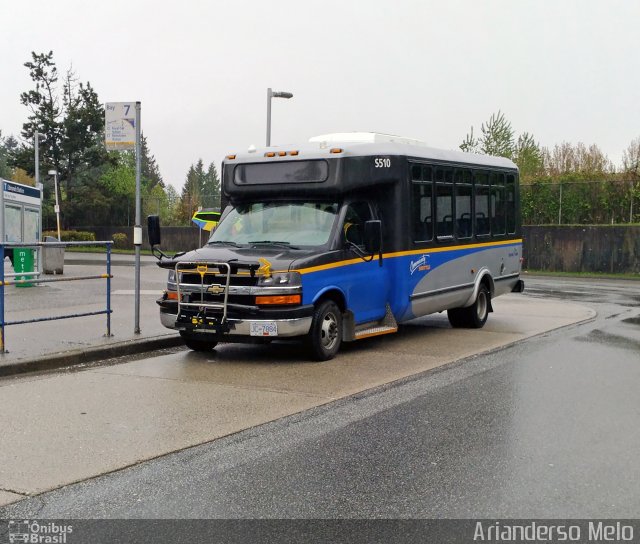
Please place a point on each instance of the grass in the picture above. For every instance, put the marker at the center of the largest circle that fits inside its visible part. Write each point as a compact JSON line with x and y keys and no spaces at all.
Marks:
{"x":600,"y":275}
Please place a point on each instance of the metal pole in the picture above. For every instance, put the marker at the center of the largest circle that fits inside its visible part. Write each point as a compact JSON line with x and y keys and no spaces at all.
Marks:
{"x":57,"y":207}
{"x":2,"y":240}
{"x":137,"y":229}
{"x":269,"y":94}
{"x":36,"y":145}
{"x":108,"y":288}
{"x":560,"y":207}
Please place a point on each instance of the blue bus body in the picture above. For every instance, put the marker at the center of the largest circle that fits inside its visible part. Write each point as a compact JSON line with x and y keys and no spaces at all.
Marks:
{"x":339,"y":242}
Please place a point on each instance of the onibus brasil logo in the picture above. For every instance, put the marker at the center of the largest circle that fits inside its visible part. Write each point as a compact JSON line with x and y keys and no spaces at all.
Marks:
{"x":37,"y":532}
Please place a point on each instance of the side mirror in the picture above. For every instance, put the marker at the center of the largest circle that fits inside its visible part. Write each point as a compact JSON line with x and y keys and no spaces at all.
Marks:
{"x":153,"y":226}
{"x":373,"y":236}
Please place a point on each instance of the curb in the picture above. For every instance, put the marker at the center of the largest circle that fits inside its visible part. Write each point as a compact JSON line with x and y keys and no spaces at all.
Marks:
{"x":89,"y":355}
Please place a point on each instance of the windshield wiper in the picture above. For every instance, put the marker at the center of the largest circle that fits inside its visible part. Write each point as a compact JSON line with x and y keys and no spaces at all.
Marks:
{"x":225,"y":242}
{"x":273,"y":243}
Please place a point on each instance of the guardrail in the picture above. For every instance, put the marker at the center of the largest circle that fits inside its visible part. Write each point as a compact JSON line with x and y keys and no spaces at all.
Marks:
{"x":31,"y":280}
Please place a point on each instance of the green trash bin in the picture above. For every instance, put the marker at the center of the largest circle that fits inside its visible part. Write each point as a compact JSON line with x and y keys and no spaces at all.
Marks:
{"x":23,"y":262}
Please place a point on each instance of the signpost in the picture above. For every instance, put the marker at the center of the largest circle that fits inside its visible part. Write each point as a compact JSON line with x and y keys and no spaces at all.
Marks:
{"x":122,"y":132}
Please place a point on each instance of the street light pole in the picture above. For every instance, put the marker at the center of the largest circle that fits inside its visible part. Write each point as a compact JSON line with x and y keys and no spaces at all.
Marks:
{"x":36,"y":145}
{"x":273,"y":94}
{"x":56,"y":208}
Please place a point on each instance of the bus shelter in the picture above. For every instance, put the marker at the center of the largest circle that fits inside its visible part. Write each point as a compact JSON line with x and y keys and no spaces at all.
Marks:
{"x":21,"y":217}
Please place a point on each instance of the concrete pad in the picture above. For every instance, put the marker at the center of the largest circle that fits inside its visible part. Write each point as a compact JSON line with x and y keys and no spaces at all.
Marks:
{"x":7,"y":498}
{"x":59,"y":429}
{"x":233,"y":366}
{"x":68,"y":428}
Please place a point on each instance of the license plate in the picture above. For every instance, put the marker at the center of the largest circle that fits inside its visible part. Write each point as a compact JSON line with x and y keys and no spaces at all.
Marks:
{"x":264,"y":328}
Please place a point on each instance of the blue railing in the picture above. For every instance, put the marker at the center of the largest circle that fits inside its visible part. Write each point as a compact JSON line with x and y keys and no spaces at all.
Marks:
{"x":31,"y":280}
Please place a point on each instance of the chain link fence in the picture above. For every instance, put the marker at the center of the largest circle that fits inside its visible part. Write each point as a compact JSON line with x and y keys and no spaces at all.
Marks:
{"x":580,"y":203}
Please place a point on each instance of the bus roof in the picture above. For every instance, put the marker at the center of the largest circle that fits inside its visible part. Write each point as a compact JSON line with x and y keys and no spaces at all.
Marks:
{"x":363,"y":144}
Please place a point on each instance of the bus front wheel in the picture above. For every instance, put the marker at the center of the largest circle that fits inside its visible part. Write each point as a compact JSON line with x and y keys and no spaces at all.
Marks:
{"x":325,"y":335}
{"x":474,"y":316}
{"x":197,"y":344}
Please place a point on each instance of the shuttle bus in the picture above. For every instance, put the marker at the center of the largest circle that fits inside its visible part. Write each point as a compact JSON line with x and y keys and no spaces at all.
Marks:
{"x":343,"y":238}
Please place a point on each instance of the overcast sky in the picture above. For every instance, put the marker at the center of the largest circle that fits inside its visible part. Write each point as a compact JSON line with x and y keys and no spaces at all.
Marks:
{"x":564,"y":70}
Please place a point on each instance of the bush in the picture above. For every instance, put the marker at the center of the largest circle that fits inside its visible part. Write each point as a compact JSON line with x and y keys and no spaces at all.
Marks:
{"x":71,"y":235}
{"x":120,"y":241}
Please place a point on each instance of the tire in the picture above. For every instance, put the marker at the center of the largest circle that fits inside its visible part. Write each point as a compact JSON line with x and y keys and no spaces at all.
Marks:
{"x":474,"y":316}
{"x":325,"y":335}
{"x":457,"y":318}
{"x":197,"y":344}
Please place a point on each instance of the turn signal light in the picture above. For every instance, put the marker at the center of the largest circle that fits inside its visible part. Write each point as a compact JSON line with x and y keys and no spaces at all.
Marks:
{"x":279,"y":299}
{"x":172,"y":295}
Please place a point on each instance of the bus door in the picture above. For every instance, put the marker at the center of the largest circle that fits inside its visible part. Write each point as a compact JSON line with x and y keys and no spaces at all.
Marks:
{"x":366,"y":284}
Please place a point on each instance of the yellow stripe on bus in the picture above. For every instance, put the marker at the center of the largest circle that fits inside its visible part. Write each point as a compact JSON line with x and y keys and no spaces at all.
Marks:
{"x":338,"y":264}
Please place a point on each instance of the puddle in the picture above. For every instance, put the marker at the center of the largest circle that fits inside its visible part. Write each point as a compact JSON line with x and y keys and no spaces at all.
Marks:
{"x":613,"y":340}
{"x":633,"y":320}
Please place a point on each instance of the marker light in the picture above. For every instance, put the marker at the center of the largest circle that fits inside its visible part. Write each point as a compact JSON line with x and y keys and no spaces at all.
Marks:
{"x":278,"y":299}
{"x":294,"y":153}
{"x":231,"y":157}
{"x":270,"y":154}
{"x":335,"y":150}
{"x":282,"y":153}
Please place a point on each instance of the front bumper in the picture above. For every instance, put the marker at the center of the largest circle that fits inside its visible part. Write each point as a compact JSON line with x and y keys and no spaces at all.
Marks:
{"x":291,"y":322}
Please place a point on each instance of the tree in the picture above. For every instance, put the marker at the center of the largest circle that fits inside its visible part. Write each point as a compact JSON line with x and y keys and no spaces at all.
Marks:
{"x":631,"y":160}
{"x":45,"y":114}
{"x":497,"y":138}
{"x":6,"y":147}
{"x":210,"y":189}
{"x":150,"y":172}
{"x":528,"y":157}
{"x":191,"y":196}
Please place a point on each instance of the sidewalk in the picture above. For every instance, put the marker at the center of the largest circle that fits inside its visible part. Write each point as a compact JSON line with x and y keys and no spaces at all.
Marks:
{"x":53,"y":344}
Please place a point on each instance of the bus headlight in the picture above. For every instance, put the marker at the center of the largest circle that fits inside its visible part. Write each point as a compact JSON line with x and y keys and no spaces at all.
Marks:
{"x":281,"y":279}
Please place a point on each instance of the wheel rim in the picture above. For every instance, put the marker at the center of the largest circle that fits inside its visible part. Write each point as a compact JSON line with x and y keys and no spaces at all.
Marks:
{"x":329,"y":331}
{"x":481,"y":306}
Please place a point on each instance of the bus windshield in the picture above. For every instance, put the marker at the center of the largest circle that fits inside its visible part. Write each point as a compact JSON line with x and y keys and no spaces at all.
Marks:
{"x":291,"y":223}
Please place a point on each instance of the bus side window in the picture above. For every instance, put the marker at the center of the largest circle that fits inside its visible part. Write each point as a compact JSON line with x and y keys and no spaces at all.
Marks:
{"x":498,"y":217}
{"x":421,"y":203}
{"x":464,"y":190}
{"x":511,"y":203}
{"x":481,"y":203}
{"x":444,"y":202}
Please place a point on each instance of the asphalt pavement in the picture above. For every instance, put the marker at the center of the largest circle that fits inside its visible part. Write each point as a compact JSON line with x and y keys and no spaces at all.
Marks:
{"x":53,"y":344}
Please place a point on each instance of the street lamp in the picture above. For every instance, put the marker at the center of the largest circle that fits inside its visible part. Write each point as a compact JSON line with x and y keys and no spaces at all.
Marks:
{"x":37,"y":138}
{"x":56,"y":208}
{"x":275,"y":94}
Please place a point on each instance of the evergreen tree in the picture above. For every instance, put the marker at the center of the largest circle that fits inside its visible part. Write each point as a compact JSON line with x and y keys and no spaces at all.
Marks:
{"x":190,"y":199}
{"x":150,"y":172}
{"x":45,"y":115}
{"x":210,"y":189}
{"x":6,"y":147}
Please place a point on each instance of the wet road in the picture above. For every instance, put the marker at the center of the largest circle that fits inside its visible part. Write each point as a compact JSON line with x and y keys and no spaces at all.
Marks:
{"x":549,"y":427}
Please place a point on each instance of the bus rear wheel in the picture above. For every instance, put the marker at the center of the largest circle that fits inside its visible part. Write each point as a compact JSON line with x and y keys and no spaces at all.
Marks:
{"x":325,"y":335}
{"x":197,"y":344}
{"x":474,"y":316}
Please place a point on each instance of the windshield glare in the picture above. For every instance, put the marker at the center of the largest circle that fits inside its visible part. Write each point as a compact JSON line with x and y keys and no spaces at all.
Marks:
{"x":295,"y":223}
